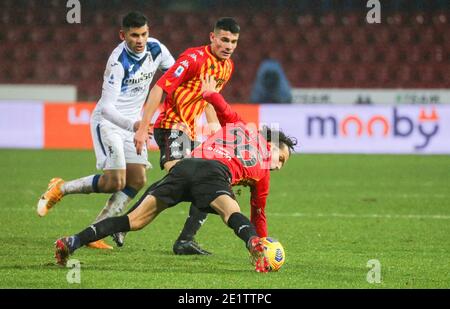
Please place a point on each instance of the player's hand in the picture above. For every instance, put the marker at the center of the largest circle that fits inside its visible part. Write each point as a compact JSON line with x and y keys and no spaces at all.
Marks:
{"x":136,"y":125}
{"x":140,"y":137}
{"x":209,"y":83}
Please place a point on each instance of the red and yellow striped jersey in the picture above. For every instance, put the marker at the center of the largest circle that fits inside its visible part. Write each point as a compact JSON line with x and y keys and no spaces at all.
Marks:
{"x":184,"y":103}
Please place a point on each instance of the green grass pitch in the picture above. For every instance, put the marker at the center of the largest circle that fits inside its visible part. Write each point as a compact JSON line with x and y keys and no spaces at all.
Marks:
{"x":332,"y":213}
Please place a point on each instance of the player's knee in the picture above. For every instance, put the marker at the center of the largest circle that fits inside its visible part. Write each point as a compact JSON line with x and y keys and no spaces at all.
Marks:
{"x":138,"y":183}
{"x":115,"y":184}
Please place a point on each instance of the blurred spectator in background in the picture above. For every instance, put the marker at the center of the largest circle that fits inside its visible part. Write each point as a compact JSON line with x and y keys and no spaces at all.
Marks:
{"x":271,"y":84}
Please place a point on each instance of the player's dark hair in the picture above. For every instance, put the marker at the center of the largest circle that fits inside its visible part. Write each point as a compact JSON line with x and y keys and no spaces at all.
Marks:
{"x":227,"y":24}
{"x":134,"y":20}
{"x":278,"y":137}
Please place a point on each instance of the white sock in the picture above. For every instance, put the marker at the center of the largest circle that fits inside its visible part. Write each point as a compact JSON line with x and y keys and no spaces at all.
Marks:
{"x":114,"y":206}
{"x":80,"y":185}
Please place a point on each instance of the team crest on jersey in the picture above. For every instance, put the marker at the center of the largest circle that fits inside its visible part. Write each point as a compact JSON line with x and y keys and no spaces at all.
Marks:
{"x":179,"y":71}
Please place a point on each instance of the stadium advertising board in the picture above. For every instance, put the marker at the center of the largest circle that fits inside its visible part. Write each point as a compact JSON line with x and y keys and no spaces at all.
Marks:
{"x":370,"y":96}
{"x":408,"y":129}
{"x":364,"y":129}
{"x":21,"y":124}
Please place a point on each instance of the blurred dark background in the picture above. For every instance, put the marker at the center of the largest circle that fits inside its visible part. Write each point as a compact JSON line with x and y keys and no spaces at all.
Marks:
{"x":320,"y":43}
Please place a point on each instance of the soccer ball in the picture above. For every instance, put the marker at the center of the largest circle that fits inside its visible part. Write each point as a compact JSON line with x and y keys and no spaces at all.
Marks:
{"x":274,"y":252}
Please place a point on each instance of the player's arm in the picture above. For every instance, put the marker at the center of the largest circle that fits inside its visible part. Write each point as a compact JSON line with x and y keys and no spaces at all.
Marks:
{"x":150,"y":107}
{"x":211,"y":117}
{"x":177,"y":74}
{"x":112,"y":82}
{"x":224,"y":112}
{"x":259,"y":193}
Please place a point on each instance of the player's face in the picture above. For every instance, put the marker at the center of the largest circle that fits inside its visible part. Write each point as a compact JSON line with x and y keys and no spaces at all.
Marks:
{"x":279,"y":157}
{"x":136,"y":38}
{"x":223,"y":43}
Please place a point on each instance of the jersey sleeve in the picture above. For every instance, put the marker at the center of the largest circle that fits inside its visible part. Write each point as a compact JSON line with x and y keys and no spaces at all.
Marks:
{"x":259,"y":193}
{"x":167,"y":59}
{"x":224,"y":112}
{"x":112,"y":84}
{"x":181,"y":71}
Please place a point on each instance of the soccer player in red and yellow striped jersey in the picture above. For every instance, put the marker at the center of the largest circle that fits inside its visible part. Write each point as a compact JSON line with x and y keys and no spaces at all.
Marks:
{"x":175,"y":128}
{"x":184,"y":103}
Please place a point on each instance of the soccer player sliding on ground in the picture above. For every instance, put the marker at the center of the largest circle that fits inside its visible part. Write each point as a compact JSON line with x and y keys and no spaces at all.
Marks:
{"x":235,"y":154}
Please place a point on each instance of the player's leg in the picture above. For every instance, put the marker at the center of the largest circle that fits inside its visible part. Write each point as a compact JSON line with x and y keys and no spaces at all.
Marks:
{"x":136,"y":165}
{"x":185,"y":243}
{"x":105,"y":140}
{"x":229,"y":211}
{"x":136,"y":178}
{"x":144,"y":214}
{"x":115,"y":174}
{"x":175,"y":145}
{"x":166,"y":192}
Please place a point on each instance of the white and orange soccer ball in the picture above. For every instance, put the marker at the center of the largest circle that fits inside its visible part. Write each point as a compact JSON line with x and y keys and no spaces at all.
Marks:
{"x":274,"y":252}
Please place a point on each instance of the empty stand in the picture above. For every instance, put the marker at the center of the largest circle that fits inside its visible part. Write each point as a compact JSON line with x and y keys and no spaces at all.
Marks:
{"x":316,"y":48}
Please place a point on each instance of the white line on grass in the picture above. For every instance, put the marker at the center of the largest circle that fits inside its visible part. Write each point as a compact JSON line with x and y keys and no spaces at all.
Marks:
{"x":298,"y":214}
{"x":372,"y":216}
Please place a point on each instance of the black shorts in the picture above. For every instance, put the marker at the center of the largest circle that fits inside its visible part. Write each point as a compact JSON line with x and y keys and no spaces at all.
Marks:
{"x":193,"y":180}
{"x":173,"y":145}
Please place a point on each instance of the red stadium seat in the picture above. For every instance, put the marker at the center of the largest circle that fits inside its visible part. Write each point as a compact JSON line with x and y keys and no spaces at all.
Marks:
{"x":328,"y":20}
{"x":305,"y":21}
{"x":351,"y":20}
{"x":367,"y":54}
{"x":427,"y":36}
{"x":299,"y":55}
{"x":313,"y":37}
{"x":359,"y":36}
{"x":405,"y":36}
{"x":382,"y":35}
{"x":426,"y":75}
{"x":415,"y":54}
{"x":397,"y":19}
{"x":345,"y":54}
{"x":438,"y":54}
{"x":336,"y":36}
{"x":39,"y":34}
{"x":403,"y":76}
{"x":382,"y":74}
{"x":322,"y":54}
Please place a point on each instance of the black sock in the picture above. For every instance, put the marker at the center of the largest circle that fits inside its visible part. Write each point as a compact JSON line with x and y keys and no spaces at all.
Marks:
{"x":193,"y":223}
{"x":103,"y":228}
{"x":242,"y":227}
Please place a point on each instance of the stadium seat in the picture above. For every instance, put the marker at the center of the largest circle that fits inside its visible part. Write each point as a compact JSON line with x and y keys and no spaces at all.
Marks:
{"x":366,"y":54}
{"x":382,"y":35}
{"x":299,"y":55}
{"x":313,"y":37}
{"x":336,"y":36}
{"x":358,"y":36}
{"x":345,"y":54}
{"x":322,"y":54}
{"x":351,"y":20}
{"x":427,"y":36}
{"x":305,"y":21}
{"x":405,"y":36}
{"x":396,"y":19}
